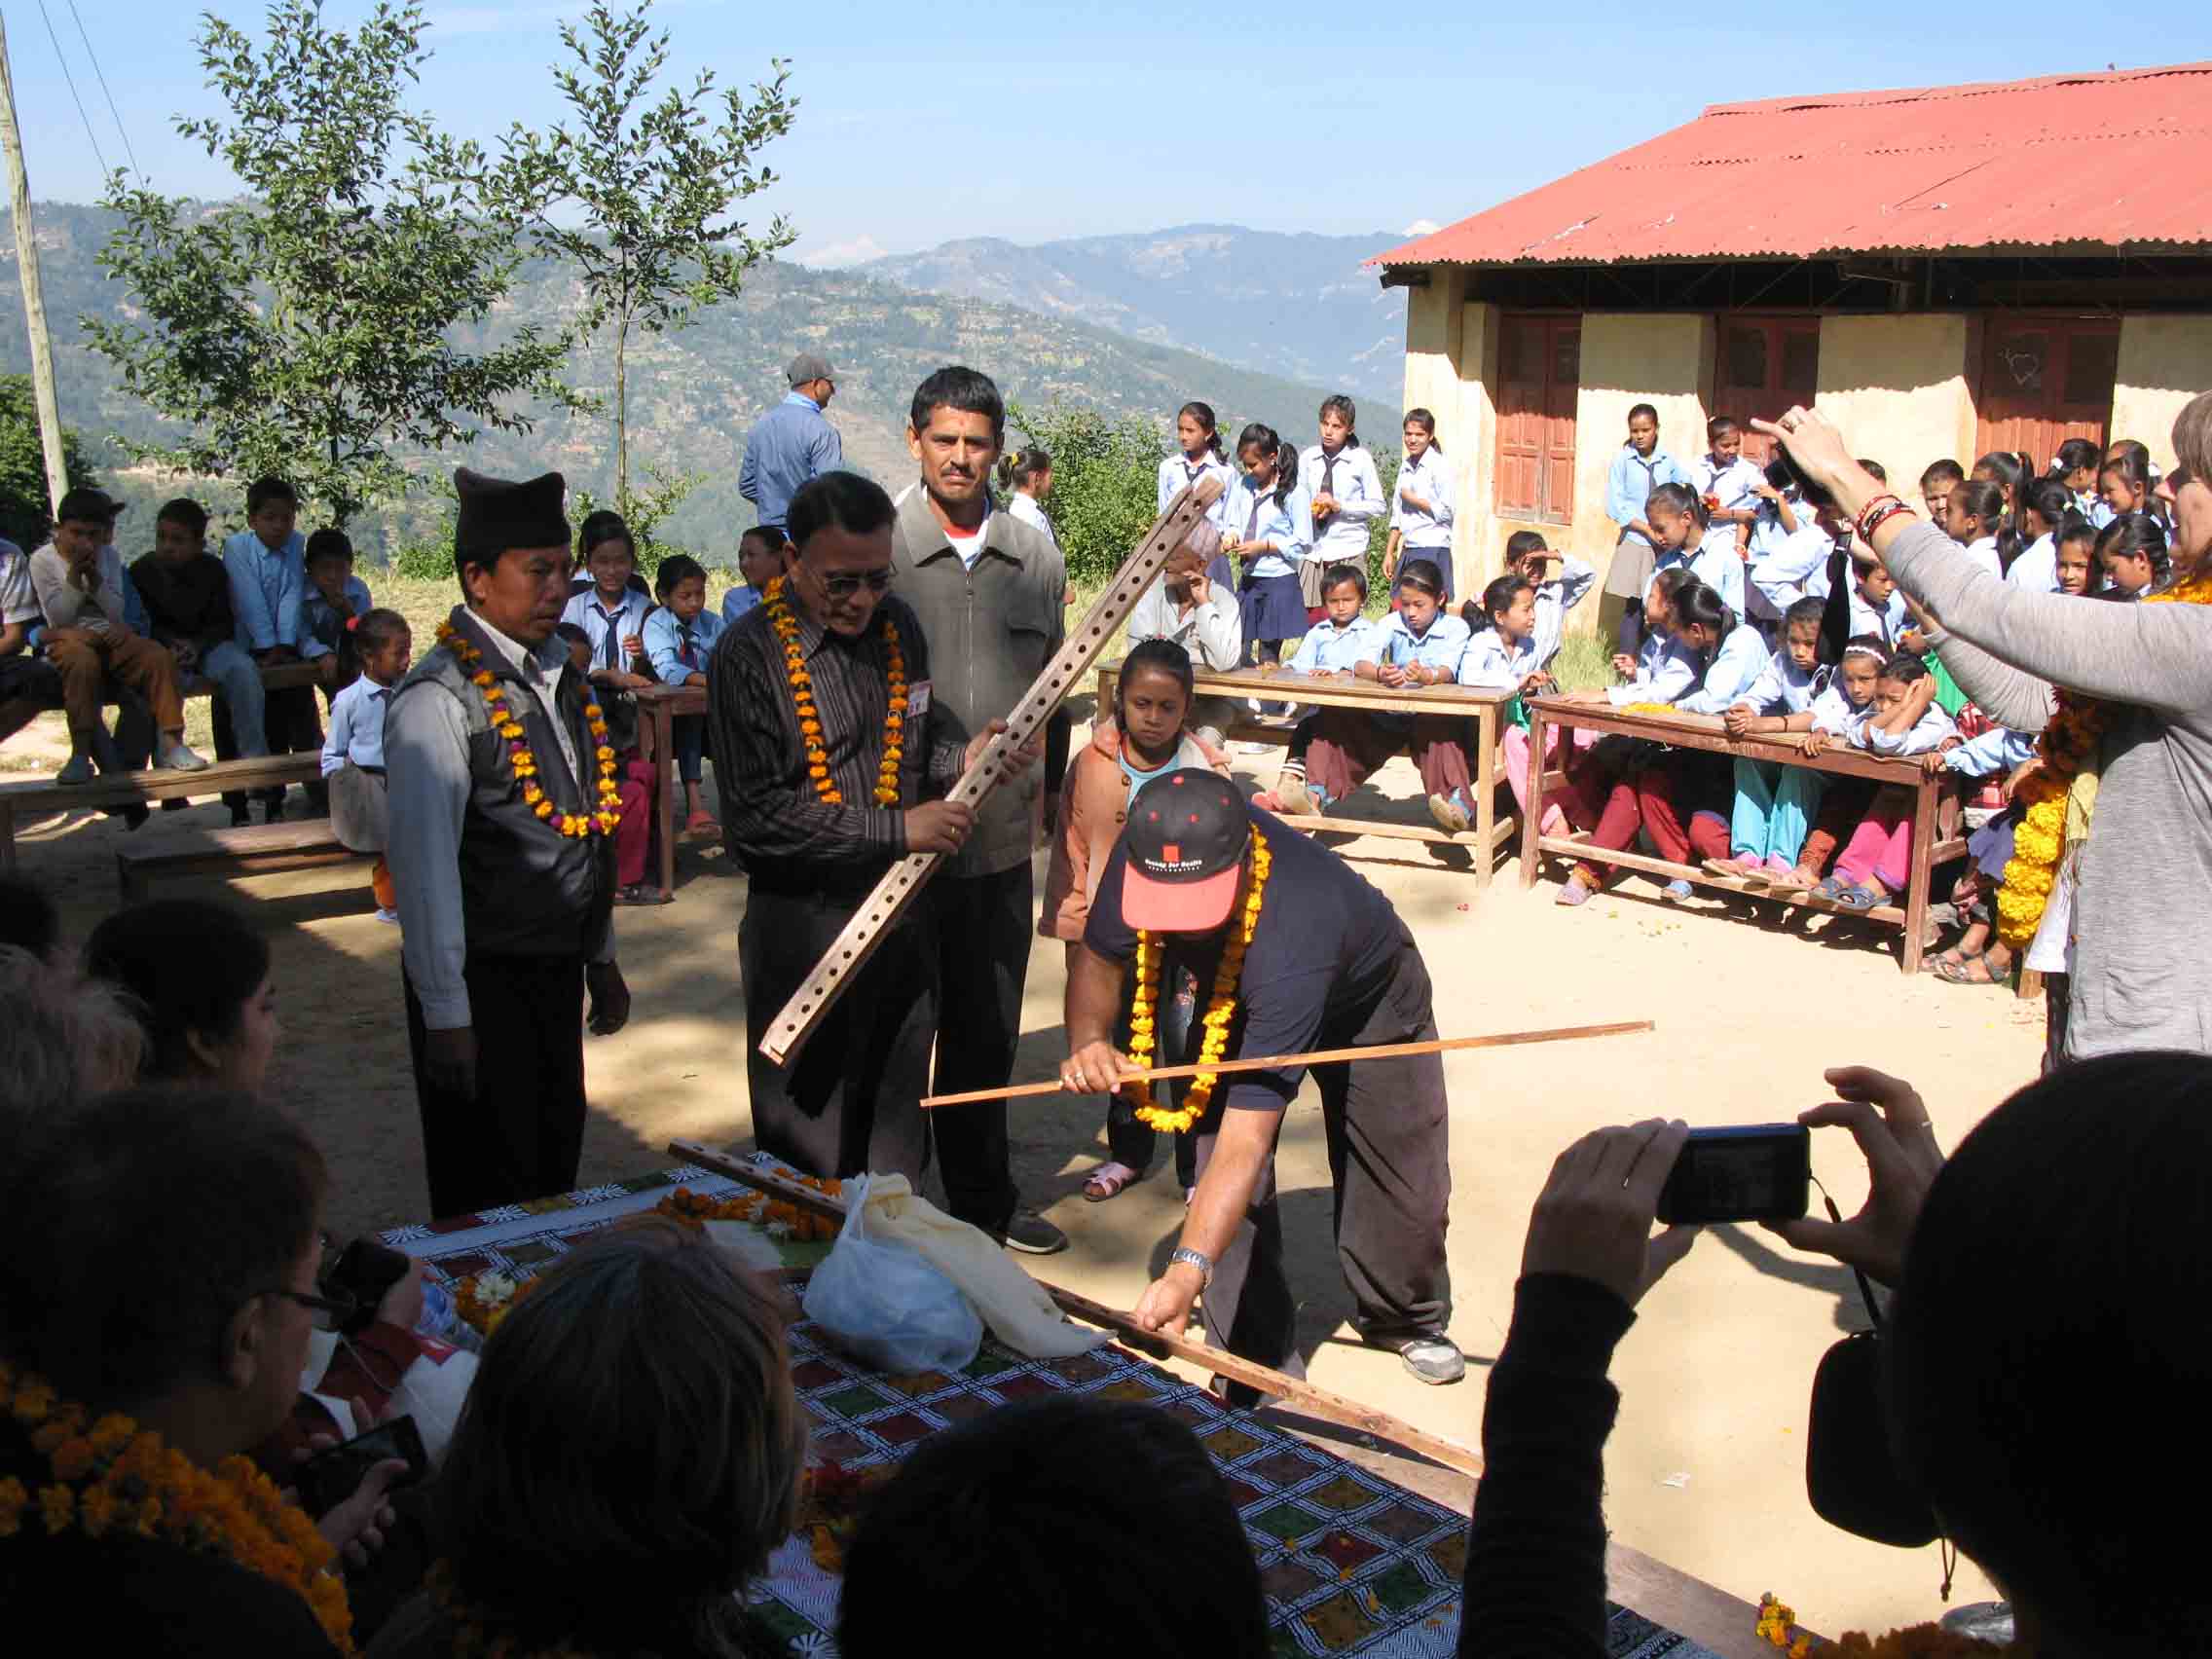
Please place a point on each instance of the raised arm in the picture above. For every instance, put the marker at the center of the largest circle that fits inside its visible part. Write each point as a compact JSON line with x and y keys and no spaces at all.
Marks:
{"x":2000,"y":690}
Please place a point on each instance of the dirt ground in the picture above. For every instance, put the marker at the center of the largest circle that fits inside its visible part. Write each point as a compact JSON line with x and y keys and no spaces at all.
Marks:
{"x":1706,"y":1467}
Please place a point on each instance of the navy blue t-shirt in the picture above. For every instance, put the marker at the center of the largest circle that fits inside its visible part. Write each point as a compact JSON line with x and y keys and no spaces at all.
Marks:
{"x":1322,"y":954}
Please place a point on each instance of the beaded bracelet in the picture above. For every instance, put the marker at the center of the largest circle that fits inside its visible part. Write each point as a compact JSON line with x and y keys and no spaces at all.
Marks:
{"x":1878,"y":513}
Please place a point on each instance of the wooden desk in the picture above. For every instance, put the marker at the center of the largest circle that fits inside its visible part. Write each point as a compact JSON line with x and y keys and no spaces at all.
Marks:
{"x":1931,"y":797}
{"x":659,"y":705}
{"x":1329,"y":690}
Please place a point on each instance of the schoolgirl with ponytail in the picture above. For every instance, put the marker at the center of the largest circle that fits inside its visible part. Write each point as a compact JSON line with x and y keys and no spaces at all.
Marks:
{"x":1268,"y":528}
{"x":1026,"y":477}
{"x":1345,"y":494}
{"x":2045,"y":505}
{"x":1199,"y":456}
{"x":1422,"y":512}
{"x":1973,"y":517}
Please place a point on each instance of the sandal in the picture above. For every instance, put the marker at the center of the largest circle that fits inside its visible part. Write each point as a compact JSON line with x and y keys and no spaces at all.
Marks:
{"x":1952,"y":959}
{"x":1861,"y":896}
{"x":1963,"y":974}
{"x":1108,"y":1180}
{"x":1830,"y":889}
{"x":642,"y":892}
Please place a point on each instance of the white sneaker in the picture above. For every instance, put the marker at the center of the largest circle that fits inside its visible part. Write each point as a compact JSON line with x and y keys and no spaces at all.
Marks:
{"x":1257,"y":747}
{"x":389,"y":917}
{"x":178,"y":759}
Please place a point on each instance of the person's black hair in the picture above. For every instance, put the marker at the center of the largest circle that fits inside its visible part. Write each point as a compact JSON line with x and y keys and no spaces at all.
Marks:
{"x":1905,"y":667}
{"x":135,"y":1227}
{"x":2075,"y":525}
{"x":599,"y":528}
{"x":1337,"y":574}
{"x":1523,"y":543}
{"x":837,"y":501}
{"x":191,"y":963}
{"x":1720,"y":425}
{"x":1677,"y":501}
{"x":373,"y":630}
{"x":1699,"y":604}
{"x":28,"y":918}
{"x":1982,"y":500}
{"x":186,"y":513}
{"x":2074,"y":455}
{"x":2008,"y":467}
{"x":963,"y":389}
{"x":2133,"y":450}
{"x":1781,"y":474}
{"x":327,"y":544}
{"x":1426,"y":422}
{"x":1811,"y":609}
{"x":1006,"y":1516}
{"x":1874,"y":470}
{"x":1671,"y":581}
{"x":1652,"y":410}
{"x":1336,"y":403}
{"x":1937,"y":471}
{"x":573,"y":632}
{"x":2050,"y":500}
{"x":771,"y":536}
{"x":1270,"y":448}
{"x":1163,"y":654}
{"x":1498,"y":597}
{"x":2043,"y":1347}
{"x":262,"y":490}
{"x":1202,"y":413}
{"x":2137,"y":532}
{"x":1020,"y":466}
{"x":677,"y":567}
{"x":1423,"y":576}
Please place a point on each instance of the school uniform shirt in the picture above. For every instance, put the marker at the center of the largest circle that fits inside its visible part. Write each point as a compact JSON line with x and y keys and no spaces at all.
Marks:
{"x":1349,"y":476}
{"x":1431,"y":479}
{"x":2037,"y":567}
{"x":1663,"y":673}
{"x":679,"y":649}
{"x":1554,"y":599}
{"x":1026,"y":509}
{"x":1719,"y":566}
{"x":1834,"y":711}
{"x":1885,"y":624}
{"x":738,"y":600}
{"x":1255,"y":515}
{"x":1491,"y":664}
{"x":1330,"y":650}
{"x":607,"y":629}
{"x":1794,"y":568}
{"x":1177,"y":473}
{"x":1768,"y":536}
{"x":1441,"y":647}
{"x":1630,"y":481}
{"x":321,"y":625}
{"x":266,"y":589}
{"x":1926,"y":733}
{"x":1996,"y":753}
{"x":1983,"y":554}
{"x":1212,"y":633}
{"x":1784,"y":688}
{"x":2101,"y":511}
{"x":18,"y":599}
{"x":356,"y":727}
{"x":1735,"y":669}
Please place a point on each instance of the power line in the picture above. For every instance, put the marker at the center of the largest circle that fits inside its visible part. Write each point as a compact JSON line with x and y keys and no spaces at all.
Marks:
{"x":72,"y":83}
{"x":121,"y":130}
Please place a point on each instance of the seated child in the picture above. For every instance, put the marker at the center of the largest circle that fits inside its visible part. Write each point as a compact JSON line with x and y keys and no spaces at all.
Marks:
{"x":1728,"y":487}
{"x":2131,"y":552}
{"x":1332,"y":646}
{"x":352,"y":754}
{"x":1660,"y":672}
{"x":635,"y":780}
{"x":2075,"y":555}
{"x":759,"y":560}
{"x":1416,"y":645}
{"x":612,"y":613}
{"x":1935,"y":487}
{"x":1976,"y":958}
{"x":1774,"y":802}
{"x":1147,"y":734}
{"x":1973,"y":516}
{"x":28,"y":682}
{"x":678,"y":637}
{"x":264,"y":562}
{"x":186,"y":595}
{"x":1780,"y":514}
{"x":1798,"y":565}
{"x":332,"y":598}
{"x":1876,"y":864}
{"x":1195,"y":604}
{"x":1528,"y":558}
{"x":1876,"y":606}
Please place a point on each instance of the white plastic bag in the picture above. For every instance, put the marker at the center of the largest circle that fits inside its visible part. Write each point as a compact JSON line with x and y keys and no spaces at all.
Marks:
{"x":884,"y":1304}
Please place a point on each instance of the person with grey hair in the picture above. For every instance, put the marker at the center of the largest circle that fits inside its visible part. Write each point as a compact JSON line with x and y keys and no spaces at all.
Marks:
{"x":67,"y":1039}
{"x":791,"y":443}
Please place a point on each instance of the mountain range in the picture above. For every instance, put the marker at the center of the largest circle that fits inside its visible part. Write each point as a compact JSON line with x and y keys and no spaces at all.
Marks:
{"x":695,"y":392}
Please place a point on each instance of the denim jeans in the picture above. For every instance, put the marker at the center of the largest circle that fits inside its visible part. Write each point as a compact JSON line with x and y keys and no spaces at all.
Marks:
{"x":238,"y":678}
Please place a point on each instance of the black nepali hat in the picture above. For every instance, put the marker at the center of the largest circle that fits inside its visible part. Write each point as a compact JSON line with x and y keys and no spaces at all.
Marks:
{"x":1186,"y":841}
{"x":497,"y":514}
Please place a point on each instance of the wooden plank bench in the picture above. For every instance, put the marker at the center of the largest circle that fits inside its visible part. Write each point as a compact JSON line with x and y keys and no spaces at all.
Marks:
{"x":1488,"y":834}
{"x":32,"y":796}
{"x":1933,"y":798}
{"x":259,"y":849}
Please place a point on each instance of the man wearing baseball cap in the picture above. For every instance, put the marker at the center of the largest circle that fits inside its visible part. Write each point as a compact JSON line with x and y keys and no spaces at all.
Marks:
{"x":1198,"y":879}
{"x":791,"y":443}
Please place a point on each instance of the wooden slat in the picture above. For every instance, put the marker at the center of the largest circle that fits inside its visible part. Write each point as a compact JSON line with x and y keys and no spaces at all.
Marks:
{"x":1314,"y":690}
{"x":849,"y":952}
{"x":127,"y":789}
{"x":1577,"y":847}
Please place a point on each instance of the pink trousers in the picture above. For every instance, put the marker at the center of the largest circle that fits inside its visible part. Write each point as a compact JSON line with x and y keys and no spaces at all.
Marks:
{"x":1881,"y":847}
{"x":1515,"y":750}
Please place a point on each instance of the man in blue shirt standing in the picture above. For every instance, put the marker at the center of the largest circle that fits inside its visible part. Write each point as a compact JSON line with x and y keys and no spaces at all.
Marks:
{"x":791,"y":443}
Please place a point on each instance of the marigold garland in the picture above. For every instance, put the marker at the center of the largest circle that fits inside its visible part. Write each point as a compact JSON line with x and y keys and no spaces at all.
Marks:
{"x":1144,"y":1008}
{"x":785,"y":626}
{"x":525,"y":764}
{"x":2069,"y":743}
{"x":1778,"y":1624}
{"x":112,"y":1475}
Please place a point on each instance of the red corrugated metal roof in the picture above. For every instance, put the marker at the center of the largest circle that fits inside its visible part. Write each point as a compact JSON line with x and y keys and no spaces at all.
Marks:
{"x":2108,"y":160}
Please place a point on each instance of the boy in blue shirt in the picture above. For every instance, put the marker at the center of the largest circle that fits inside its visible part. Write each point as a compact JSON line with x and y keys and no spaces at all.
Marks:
{"x":679,"y":639}
{"x":759,"y":560}
{"x":267,"y":566}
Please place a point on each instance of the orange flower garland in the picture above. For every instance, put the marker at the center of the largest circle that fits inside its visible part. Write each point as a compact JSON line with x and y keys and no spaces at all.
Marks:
{"x":526,"y":768}
{"x":1778,"y":1624}
{"x":1221,"y":1012}
{"x":785,"y":625}
{"x":110,"y":1475}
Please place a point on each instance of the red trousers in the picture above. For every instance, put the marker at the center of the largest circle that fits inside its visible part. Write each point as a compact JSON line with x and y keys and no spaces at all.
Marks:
{"x":1651,"y":797}
{"x":633,"y":836}
{"x":1348,"y":745}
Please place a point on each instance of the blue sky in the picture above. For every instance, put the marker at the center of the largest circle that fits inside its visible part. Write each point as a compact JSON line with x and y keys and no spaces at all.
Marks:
{"x":919,"y":124}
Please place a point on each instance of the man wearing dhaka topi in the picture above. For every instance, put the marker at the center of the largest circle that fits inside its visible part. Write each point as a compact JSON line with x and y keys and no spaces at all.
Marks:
{"x":1218,"y":932}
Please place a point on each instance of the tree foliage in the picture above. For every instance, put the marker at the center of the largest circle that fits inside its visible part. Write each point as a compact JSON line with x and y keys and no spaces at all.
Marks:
{"x":303,"y":330}
{"x":1104,"y":482}
{"x":635,"y":194}
{"x":24,"y":514}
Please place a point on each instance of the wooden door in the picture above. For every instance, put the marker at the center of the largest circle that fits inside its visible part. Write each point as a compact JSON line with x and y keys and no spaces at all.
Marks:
{"x":2044,"y":379}
{"x":1766,"y":364}
{"x":1539,"y":374}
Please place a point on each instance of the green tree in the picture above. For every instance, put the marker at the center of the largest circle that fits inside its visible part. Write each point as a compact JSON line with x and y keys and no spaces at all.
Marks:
{"x":637,"y":194}
{"x":24,"y":507}
{"x":1379,"y":528}
{"x":1105,"y":490}
{"x":303,"y":330}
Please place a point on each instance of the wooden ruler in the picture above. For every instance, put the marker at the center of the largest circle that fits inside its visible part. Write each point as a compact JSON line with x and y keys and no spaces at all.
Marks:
{"x":851,"y":948}
{"x":1298,"y":1396}
{"x":1317,"y":1058}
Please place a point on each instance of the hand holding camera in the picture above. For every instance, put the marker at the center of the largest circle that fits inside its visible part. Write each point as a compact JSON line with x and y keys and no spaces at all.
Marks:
{"x":1593,"y":1219}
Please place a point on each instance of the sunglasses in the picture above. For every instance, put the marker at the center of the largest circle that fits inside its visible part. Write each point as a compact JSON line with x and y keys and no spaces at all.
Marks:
{"x":331,"y":1311}
{"x":845,"y":586}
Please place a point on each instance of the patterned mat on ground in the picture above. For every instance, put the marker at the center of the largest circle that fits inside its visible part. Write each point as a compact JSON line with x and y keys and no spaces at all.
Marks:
{"x":1350,"y":1563}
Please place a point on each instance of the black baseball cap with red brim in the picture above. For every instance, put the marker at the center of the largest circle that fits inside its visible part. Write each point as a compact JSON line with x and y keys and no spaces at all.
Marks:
{"x":1186,"y":841}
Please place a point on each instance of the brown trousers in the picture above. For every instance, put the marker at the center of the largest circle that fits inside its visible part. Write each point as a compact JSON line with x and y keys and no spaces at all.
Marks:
{"x":1348,"y":744}
{"x":88,"y":659}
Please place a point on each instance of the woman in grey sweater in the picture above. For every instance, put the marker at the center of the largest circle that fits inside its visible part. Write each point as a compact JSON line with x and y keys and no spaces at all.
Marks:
{"x":2144,"y":893}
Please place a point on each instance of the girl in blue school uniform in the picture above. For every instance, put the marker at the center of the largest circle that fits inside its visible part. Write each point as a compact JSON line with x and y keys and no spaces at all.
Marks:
{"x":679,"y":637}
{"x":1903,"y":720}
{"x":1421,"y":509}
{"x":1269,"y":523}
{"x":1336,"y":644}
{"x":1343,"y":494}
{"x":1420,"y":643}
{"x":2076,"y":466}
{"x":1728,"y":486}
{"x":1639,"y":468}
{"x":1199,"y":457}
{"x":1775,"y":803}
{"x":1501,"y":646}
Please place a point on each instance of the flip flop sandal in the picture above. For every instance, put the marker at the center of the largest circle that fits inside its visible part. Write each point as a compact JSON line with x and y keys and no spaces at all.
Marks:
{"x":1108,"y":1181}
{"x":1953,"y":958}
{"x":1962,"y":973}
{"x":1830,"y":889}
{"x":1861,"y":897}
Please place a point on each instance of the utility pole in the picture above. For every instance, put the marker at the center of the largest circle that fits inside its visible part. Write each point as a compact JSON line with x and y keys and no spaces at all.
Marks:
{"x":34,"y":301}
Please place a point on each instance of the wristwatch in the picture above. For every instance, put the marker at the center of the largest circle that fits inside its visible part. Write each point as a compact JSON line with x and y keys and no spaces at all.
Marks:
{"x":1197,"y":1258}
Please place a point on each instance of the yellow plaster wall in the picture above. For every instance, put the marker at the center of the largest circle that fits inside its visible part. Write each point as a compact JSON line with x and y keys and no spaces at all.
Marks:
{"x":1435,"y":332}
{"x":2164,"y":362}
{"x":1902,"y":389}
{"x":1475,"y":453}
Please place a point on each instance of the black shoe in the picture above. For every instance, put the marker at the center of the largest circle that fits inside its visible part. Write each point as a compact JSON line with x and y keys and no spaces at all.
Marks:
{"x":1033,"y":1236}
{"x":272,"y":807}
{"x":240,"y":815}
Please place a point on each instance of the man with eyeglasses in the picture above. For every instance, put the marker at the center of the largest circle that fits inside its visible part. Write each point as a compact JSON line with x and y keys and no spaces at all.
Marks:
{"x":821,"y":793}
{"x":792,"y":442}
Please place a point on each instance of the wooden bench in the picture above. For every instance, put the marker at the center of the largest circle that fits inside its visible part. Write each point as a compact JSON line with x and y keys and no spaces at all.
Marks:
{"x":259,"y":849}
{"x":37,"y":796}
{"x":1488,"y":834}
{"x":1934,"y":799}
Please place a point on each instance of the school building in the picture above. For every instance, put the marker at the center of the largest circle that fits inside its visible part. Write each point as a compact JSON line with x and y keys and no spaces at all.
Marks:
{"x":1943,"y":271}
